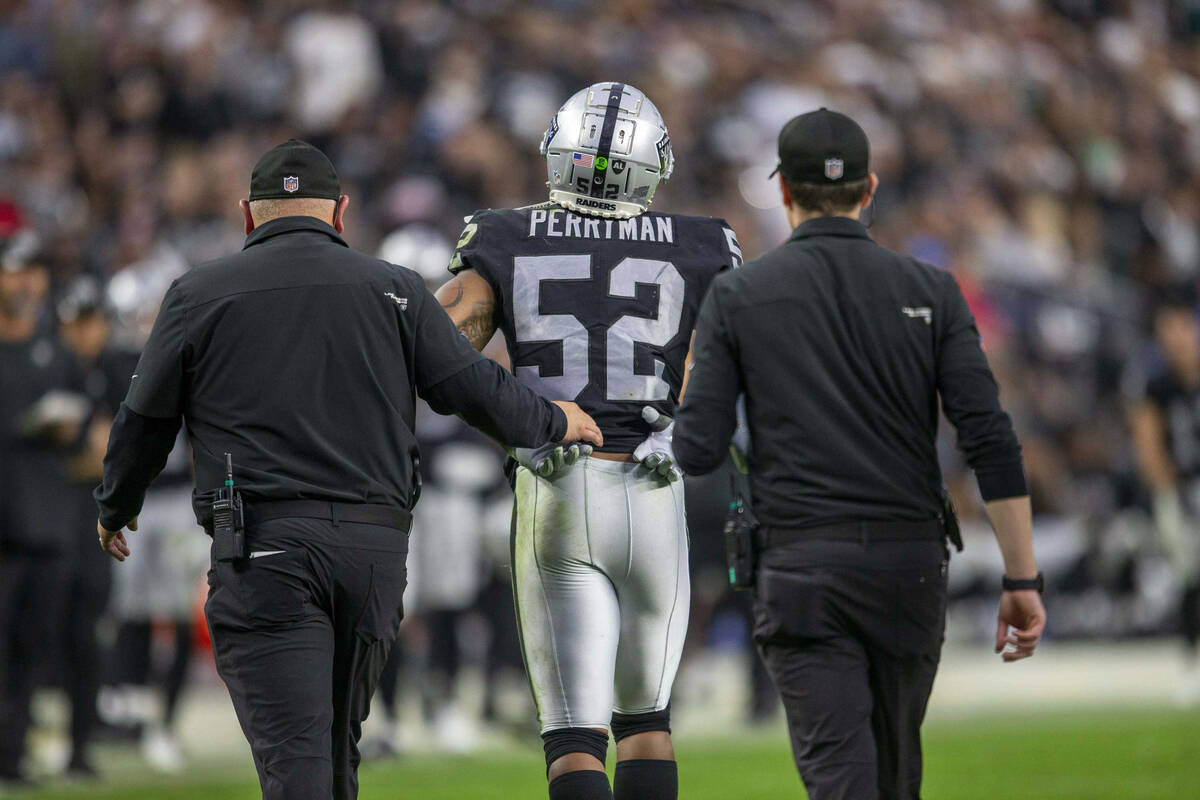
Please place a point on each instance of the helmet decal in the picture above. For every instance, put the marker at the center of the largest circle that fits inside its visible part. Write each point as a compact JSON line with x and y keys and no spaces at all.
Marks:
{"x":666,"y":156}
{"x":549,"y":135}
{"x":606,"y":151}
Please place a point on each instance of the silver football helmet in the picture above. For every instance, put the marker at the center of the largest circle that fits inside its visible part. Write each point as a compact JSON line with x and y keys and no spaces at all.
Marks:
{"x":606,"y":150}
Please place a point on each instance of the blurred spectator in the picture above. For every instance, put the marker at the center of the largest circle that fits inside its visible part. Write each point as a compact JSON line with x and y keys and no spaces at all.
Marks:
{"x":152,"y":598}
{"x":41,"y":417}
{"x":83,"y":324}
{"x":152,"y":602}
{"x":1166,"y":427}
{"x":336,"y":66}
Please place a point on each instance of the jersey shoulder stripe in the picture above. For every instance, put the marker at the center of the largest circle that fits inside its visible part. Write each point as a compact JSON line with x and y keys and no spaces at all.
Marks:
{"x":716,"y":230}
{"x":490,"y":225}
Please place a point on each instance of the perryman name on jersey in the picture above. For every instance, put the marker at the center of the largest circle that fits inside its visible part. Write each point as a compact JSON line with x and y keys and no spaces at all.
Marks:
{"x":558,"y":222}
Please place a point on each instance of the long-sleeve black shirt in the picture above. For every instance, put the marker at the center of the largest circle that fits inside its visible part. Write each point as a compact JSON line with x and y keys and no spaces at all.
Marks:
{"x":842,"y":349}
{"x":300,"y":357}
{"x":35,"y":512}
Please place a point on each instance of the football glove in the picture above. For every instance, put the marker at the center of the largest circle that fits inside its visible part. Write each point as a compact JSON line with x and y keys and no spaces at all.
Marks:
{"x":550,"y":458}
{"x":656,"y":452}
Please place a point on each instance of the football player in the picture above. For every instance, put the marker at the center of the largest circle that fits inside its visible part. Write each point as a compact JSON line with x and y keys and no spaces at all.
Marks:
{"x":596,"y":297}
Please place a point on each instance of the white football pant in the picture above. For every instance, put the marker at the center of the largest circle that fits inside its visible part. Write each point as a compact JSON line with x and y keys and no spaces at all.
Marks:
{"x":600,"y":574}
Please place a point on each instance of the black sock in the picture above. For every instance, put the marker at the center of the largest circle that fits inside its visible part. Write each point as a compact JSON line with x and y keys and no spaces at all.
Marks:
{"x":646,"y":779}
{"x":581,"y":784}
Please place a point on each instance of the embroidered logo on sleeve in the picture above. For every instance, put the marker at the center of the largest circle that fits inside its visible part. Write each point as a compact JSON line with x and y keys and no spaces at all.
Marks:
{"x":919,"y":312}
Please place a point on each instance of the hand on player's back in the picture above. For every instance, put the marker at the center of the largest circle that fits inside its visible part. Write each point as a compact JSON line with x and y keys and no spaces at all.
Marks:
{"x":580,"y":425}
{"x":552,"y":457}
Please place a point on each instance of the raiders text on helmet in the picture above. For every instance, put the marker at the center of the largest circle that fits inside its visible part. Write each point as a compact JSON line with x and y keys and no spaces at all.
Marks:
{"x":606,"y":150}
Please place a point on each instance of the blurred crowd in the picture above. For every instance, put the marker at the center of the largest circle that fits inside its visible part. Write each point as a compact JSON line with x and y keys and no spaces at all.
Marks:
{"x":1046,"y":153}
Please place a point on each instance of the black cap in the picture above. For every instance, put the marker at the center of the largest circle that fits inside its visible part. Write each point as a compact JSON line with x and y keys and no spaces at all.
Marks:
{"x":82,"y":296}
{"x":294,"y":169}
{"x":823,"y":146}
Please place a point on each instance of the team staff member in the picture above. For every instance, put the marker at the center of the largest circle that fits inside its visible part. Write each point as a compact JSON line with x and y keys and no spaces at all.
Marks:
{"x":843,"y":349}
{"x":84,"y":327}
{"x":1165,"y":423}
{"x":41,"y":411}
{"x":300,"y":357}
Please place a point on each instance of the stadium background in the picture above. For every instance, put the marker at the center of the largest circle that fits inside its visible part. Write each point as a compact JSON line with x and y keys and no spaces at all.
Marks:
{"x":1047,"y":153}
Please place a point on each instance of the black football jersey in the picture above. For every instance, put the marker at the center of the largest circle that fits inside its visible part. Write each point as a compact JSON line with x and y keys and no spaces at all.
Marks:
{"x":1180,"y":408}
{"x":599,"y":311}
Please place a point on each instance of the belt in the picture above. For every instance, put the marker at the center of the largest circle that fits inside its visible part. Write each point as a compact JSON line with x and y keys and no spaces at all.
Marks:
{"x":863,"y":532}
{"x":365,"y":513}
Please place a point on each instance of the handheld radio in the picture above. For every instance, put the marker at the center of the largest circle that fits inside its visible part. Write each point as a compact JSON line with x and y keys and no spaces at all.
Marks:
{"x":741,"y":551}
{"x":229,"y":529}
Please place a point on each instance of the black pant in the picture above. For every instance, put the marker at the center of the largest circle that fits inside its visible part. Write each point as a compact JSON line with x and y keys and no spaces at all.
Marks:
{"x":1189,"y":613}
{"x":851,"y":634}
{"x":300,"y":637}
{"x":134,"y":649}
{"x":32,"y":599}
{"x":87,"y":600}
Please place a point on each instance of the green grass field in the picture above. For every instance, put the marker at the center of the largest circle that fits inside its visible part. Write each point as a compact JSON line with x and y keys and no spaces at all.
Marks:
{"x":1129,"y":755}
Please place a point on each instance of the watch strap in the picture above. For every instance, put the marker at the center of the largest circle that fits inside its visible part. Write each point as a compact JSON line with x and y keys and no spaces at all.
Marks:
{"x":1037,"y":584}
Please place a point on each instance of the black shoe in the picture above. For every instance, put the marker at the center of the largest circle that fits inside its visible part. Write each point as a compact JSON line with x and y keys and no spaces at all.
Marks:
{"x":124,"y":732}
{"x":378,"y":750}
{"x":16,"y":782}
{"x":80,"y":769}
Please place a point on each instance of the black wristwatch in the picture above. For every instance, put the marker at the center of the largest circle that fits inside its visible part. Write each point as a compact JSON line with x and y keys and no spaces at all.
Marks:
{"x":1023,"y":584}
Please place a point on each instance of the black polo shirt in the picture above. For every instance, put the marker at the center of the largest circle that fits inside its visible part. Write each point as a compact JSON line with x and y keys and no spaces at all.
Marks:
{"x":300,"y":358}
{"x":843,"y":349}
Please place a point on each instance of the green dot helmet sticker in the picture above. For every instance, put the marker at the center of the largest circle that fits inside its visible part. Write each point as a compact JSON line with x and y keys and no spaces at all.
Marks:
{"x":601,"y":163}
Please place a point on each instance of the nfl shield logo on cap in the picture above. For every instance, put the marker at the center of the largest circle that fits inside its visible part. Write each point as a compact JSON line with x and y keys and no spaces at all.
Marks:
{"x":292,"y":184}
{"x":834,"y":168}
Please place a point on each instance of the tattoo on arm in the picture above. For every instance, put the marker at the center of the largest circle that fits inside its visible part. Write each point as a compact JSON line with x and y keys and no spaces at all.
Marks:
{"x":468,"y":300}
{"x":449,"y":304}
{"x":478,"y":326}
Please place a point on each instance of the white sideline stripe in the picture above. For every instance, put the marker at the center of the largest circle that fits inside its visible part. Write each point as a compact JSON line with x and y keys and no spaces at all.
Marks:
{"x":261,"y":553}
